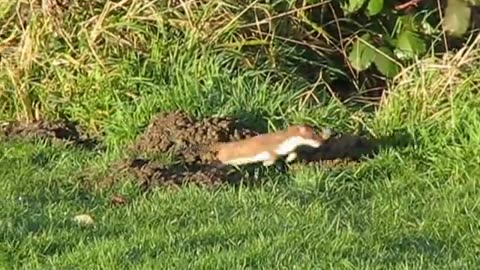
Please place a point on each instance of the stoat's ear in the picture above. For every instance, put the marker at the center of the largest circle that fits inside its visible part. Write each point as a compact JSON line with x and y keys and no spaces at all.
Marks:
{"x":304,"y":129}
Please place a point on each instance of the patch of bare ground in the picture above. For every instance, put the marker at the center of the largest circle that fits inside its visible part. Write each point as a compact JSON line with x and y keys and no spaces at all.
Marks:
{"x":339,"y":150}
{"x":59,"y":131}
{"x":188,"y":139}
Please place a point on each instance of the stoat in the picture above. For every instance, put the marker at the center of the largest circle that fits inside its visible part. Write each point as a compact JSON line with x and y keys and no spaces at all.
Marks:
{"x":267,"y":148}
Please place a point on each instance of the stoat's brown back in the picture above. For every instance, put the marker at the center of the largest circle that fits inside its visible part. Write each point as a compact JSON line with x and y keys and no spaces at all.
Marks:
{"x":248,"y":147}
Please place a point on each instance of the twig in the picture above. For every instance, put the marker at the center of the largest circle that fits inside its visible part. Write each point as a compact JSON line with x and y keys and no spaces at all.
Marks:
{"x":407,"y":5}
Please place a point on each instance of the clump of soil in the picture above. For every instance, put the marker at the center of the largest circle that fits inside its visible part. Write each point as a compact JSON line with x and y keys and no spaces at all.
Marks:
{"x":151,"y":174}
{"x":56,"y":130}
{"x":339,"y":148}
{"x":188,"y":138}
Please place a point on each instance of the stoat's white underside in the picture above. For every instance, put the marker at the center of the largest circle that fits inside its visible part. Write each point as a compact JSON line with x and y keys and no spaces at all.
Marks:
{"x":263,"y":156}
{"x":292,"y":143}
{"x":285,"y":148}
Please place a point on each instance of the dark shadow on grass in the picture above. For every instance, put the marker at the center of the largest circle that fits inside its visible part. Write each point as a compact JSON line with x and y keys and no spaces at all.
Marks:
{"x":419,"y":245}
{"x":354,"y":147}
{"x":337,"y":157}
{"x":149,"y":174}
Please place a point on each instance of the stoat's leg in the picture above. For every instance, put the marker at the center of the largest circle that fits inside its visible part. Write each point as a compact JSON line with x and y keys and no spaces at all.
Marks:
{"x":291,"y":157}
{"x":271,"y":160}
{"x":268,"y":162}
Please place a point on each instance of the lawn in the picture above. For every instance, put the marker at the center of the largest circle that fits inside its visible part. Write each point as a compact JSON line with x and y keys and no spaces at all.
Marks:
{"x":414,"y":205}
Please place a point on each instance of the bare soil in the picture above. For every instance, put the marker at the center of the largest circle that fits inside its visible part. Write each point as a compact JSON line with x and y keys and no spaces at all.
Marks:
{"x":152,"y":174}
{"x":188,"y":140}
{"x":64,"y":131}
{"x":343,"y":147}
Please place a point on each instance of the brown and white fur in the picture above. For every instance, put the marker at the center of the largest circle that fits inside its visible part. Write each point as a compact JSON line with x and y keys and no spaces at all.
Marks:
{"x":267,"y":148}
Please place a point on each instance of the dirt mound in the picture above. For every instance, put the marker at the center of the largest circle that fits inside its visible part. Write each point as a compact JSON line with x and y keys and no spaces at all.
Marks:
{"x":188,"y":138}
{"x":342,"y":147}
{"x":150,"y":174}
{"x":57,"y":130}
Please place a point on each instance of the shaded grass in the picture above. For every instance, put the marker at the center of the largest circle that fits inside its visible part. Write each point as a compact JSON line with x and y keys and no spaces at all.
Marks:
{"x":414,"y":205}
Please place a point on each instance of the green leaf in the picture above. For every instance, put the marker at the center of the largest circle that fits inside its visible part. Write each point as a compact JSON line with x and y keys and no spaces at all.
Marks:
{"x":457,"y":17}
{"x":361,"y":56}
{"x":352,"y":6}
{"x":385,"y":64}
{"x":374,"y":7}
{"x":473,"y":2}
{"x":411,"y":44}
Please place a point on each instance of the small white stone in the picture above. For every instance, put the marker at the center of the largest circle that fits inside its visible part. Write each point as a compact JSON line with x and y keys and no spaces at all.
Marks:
{"x":84,"y":219}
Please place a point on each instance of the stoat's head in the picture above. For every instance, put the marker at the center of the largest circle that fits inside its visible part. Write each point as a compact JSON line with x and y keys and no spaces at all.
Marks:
{"x":308,"y":134}
{"x":300,"y":135}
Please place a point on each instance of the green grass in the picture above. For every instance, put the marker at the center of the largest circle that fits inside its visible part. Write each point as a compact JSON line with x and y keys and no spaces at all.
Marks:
{"x":413,"y":206}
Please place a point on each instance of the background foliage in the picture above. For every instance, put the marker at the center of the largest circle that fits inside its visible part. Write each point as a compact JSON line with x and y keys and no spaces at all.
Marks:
{"x":342,"y":47}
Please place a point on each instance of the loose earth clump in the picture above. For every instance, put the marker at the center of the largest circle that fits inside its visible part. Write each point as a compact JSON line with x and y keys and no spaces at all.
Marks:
{"x":150,"y":174}
{"x":64,"y":131}
{"x":339,"y":149}
{"x":188,"y":139}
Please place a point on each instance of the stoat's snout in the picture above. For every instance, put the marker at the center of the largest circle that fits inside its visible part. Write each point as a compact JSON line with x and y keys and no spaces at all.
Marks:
{"x":326,"y":133}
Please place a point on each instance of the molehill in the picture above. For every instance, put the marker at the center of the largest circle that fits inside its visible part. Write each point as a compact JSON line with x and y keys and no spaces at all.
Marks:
{"x":186,"y":139}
